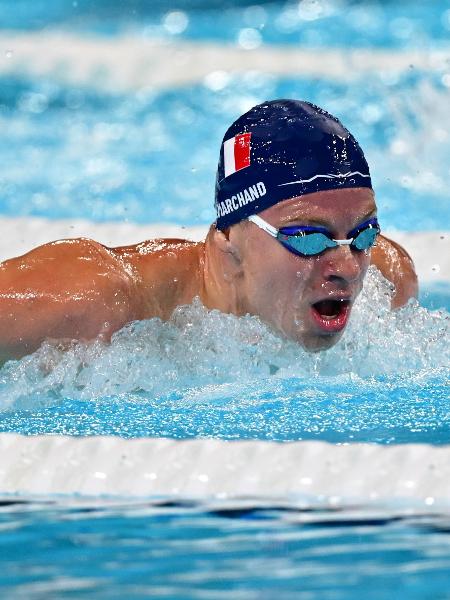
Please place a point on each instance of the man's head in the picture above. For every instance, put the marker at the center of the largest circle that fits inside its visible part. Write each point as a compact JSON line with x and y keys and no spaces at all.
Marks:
{"x":294,"y":165}
{"x":280,"y":150}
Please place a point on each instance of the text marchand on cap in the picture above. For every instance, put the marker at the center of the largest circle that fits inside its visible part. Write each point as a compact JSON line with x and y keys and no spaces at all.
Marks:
{"x":249,"y":194}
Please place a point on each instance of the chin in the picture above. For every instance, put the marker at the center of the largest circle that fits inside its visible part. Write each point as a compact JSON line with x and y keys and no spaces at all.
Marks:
{"x":318,"y":343}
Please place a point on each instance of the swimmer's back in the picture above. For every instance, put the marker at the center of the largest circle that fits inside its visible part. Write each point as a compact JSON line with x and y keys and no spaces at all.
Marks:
{"x":166,"y":271}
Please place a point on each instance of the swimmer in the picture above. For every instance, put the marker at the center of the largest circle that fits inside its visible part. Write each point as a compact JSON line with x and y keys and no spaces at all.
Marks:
{"x":295,"y":233}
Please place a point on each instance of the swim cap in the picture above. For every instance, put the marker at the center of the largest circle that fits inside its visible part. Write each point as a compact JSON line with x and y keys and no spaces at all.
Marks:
{"x":283,"y":149}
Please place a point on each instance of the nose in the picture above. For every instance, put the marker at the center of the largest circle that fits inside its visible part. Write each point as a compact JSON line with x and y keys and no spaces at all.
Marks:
{"x":343,"y":264}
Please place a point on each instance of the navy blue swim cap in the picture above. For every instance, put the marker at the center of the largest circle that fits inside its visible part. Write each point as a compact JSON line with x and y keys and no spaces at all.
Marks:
{"x":283,"y":149}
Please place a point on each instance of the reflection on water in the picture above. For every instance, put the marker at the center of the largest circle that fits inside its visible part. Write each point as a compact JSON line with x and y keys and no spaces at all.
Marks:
{"x":311,"y":23}
{"x":184,"y":553}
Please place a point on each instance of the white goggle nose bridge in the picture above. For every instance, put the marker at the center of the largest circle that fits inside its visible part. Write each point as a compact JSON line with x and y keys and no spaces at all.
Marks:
{"x":274,"y":232}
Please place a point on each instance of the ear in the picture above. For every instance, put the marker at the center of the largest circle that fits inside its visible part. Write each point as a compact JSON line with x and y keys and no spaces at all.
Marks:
{"x":226,"y":243}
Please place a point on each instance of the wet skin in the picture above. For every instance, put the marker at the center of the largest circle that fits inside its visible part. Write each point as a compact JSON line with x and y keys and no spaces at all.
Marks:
{"x":79,"y":289}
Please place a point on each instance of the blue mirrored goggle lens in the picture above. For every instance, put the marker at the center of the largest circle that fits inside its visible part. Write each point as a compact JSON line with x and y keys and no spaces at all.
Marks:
{"x":307,"y":244}
{"x":365,"y":239}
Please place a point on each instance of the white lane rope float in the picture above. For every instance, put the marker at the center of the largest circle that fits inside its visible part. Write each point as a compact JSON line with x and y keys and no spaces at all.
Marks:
{"x":163,"y":63}
{"x":413,"y":478}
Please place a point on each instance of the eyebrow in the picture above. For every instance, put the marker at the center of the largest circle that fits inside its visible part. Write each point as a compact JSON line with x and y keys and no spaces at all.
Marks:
{"x":312,"y":221}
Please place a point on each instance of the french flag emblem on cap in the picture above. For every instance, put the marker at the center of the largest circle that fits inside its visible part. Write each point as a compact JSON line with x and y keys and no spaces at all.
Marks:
{"x":236,"y":153}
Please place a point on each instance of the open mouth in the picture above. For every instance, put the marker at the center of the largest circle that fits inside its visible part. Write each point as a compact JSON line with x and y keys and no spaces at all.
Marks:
{"x":331,"y":315}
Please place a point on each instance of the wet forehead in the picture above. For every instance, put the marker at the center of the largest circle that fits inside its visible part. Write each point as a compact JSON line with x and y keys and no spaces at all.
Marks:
{"x":332,"y":209}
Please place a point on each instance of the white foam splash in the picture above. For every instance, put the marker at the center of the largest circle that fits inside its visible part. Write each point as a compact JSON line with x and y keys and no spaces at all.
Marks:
{"x":198,"y":348}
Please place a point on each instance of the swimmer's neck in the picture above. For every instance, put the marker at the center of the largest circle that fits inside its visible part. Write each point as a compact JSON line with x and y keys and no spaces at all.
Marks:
{"x":173,"y":272}
{"x":221,"y":274}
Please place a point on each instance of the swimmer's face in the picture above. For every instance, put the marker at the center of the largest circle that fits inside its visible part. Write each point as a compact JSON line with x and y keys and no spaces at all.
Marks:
{"x":308,"y":299}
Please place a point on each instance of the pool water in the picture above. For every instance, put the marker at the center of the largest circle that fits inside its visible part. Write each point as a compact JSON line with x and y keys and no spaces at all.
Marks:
{"x":313,"y":23}
{"x":185,"y":552}
{"x":148,"y":155}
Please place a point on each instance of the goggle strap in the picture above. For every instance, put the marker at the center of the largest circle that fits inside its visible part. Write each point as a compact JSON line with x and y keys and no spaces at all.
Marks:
{"x":263,"y":225}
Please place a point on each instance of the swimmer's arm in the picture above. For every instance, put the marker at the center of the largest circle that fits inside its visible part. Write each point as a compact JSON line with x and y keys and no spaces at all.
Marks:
{"x":66,"y":290}
{"x":397,"y":266}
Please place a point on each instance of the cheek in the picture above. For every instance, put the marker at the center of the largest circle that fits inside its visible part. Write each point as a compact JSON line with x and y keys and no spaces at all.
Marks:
{"x":287,"y":279}
{"x":277,"y":277}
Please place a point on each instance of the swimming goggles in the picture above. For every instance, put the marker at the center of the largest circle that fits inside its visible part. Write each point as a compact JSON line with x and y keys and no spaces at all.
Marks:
{"x":307,"y":240}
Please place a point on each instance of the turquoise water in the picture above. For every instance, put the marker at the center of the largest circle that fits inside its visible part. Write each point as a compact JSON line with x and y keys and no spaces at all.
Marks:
{"x":54,"y":551}
{"x":313,"y":23}
{"x":291,"y":410}
{"x":149,"y":156}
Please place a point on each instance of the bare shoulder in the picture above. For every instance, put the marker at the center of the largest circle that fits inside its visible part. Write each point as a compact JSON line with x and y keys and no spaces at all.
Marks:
{"x":73,"y":288}
{"x":158,"y":256}
{"x":68,"y":262}
{"x":80,"y":289}
{"x":155,"y":248}
{"x":72,"y":249}
{"x":396,"y":265}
